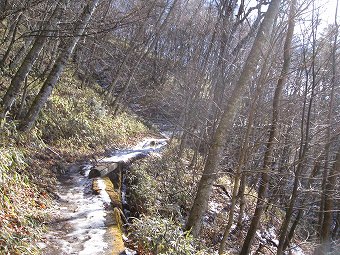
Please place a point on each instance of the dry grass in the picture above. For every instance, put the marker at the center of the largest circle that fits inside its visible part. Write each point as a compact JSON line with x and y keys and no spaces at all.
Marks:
{"x":74,"y":125}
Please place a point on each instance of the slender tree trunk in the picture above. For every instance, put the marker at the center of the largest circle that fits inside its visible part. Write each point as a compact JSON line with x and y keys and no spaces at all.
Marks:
{"x":326,"y":210}
{"x":10,"y":28}
{"x":58,"y":67}
{"x":53,"y":58}
{"x":28,"y":62}
{"x":335,"y":232}
{"x":262,"y":192}
{"x":23,"y":99}
{"x":325,"y":247}
{"x":243,"y":152}
{"x":3,"y":6}
{"x":291,"y":232}
{"x":241,"y":196}
{"x":304,"y":147}
{"x":211,"y":167}
{"x":133,"y":46}
{"x":300,"y":212}
{"x":145,"y":52}
{"x":284,"y":73}
{"x":11,"y":44}
{"x":21,"y":53}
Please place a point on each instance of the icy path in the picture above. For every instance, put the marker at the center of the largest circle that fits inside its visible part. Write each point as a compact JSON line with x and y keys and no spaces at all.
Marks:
{"x":81,"y":220}
{"x":147,"y":146}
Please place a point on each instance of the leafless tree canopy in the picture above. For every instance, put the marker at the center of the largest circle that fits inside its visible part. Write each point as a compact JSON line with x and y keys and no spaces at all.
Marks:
{"x":252,"y":88}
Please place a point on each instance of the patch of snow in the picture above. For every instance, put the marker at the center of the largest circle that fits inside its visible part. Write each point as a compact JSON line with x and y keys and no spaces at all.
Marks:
{"x":80,"y":226}
{"x":130,"y":252}
{"x":122,"y":156}
{"x":147,"y":146}
{"x":80,"y":217}
{"x":151,"y":144}
{"x":273,"y":236}
{"x":103,"y":193}
{"x":41,"y":245}
{"x":124,"y":201}
{"x":125,"y":238}
{"x":167,"y":134}
{"x":214,"y":207}
{"x":297,"y":251}
{"x":95,"y":243}
{"x":246,"y":217}
{"x":258,"y":234}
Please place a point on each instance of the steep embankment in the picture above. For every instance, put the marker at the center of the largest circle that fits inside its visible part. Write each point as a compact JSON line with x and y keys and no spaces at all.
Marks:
{"x":74,"y":126}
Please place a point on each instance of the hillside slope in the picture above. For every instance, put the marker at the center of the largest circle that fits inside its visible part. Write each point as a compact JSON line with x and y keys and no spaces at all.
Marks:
{"x":75,"y":126}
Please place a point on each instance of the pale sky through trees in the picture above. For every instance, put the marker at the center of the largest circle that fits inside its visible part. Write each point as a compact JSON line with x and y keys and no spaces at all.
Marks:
{"x":327,"y":10}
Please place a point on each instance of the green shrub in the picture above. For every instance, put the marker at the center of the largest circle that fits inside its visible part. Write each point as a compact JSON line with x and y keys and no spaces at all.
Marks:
{"x":162,"y":184}
{"x":162,"y":236}
{"x":142,"y":186}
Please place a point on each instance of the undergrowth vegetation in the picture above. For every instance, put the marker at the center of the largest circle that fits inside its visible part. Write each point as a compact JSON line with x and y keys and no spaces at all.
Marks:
{"x":75,"y":124}
{"x":22,"y":204}
{"x":163,"y":236}
{"x":160,"y":191}
{"x":84,"y":120}
{"x":163,"y":184}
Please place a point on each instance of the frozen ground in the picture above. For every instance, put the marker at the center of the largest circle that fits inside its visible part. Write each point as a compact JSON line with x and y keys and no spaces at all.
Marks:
{"x":80,"y":218}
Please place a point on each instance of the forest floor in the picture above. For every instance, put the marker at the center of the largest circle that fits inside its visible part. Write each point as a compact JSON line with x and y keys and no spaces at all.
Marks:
{"x":82,"y":220}
{"x":34,"y":188}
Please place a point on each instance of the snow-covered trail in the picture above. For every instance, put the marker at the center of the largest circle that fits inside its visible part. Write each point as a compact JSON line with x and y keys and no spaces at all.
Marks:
{"x":147,"y":146}
{"x":81,"y":219}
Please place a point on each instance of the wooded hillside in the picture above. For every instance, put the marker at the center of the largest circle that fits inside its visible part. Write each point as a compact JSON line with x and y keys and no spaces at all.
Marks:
{"x":248,"y":91}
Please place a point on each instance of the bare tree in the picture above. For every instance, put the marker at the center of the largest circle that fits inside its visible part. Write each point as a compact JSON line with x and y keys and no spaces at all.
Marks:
{"x":211,"y":167}
{"x":31,"y":57}
{"x":328,"y":192}
{"x":58,"y":67}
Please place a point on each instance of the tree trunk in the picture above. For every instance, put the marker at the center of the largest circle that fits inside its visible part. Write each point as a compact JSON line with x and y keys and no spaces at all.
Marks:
{"x":20,"y":53}
{"x":330,"y":179}
{"x":11,"y":44}
{"x":133,"y":46}
{"x":145,"y":52}
{"x":262,"y":192}
{"x":304,"y":147}
{"x":301,"y":211}
{"x":58,"y":67}
{"x":329,"y":206}
{"x":284,"y":73}
{"x":211,"y":167}
{"x":28,"y":62}
{"x":239,"y":183}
